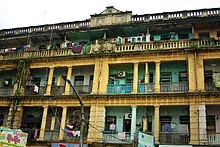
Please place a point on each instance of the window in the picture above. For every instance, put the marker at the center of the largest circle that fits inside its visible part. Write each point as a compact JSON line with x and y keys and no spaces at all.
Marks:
{"x":165,"y":37}
{"x":78,"y":80}
{"x":37,"y":81}
{"x":218,"y":34}
{"x":166,"y":77}
{"x":183,"y":36}
{"x":108,"y":121}
{"x":91,"y":80}
{"x":42,"y":47}
{"x":184,"y":119}
{"x":165,"y":123}
{"x":210,"y":123}
{"x":1,"y":120}
{"x":208,"y":76}
{"x":204,"y":35}
{"x":151,"y":78}
{"x":7,"y":83}
{"x":149,"y":124}
{"x":183,"y":76}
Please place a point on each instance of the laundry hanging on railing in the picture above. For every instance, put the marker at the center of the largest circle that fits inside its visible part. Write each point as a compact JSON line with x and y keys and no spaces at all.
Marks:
{"x":20,"y":48}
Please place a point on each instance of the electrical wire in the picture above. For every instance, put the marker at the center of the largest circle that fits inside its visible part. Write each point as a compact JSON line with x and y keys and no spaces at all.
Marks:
{"x":87,"y":122}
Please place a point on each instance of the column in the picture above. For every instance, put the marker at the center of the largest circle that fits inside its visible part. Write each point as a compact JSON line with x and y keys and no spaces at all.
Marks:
{"x":63,"y":122}
{"x":133,"y":121}
{"x":200,"y":75}
{"x":97,"y":120}
{"x":135,"y":79}
{"x":43,"y":123}
{"x":67,"y":86}
{"x":157,"y":78}
{"x":202,"y":124}
{"x":104,"y":77}
{"x":194,"y":124}
{"x":96,"y":77}
{"x":49,"y":82}
{"x":192,"y":73}
{"x":156,"y":123}
{"x":146,"y":75}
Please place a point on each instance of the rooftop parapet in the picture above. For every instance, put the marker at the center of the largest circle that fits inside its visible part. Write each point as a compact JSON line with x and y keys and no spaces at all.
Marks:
{"x":119,"y":18}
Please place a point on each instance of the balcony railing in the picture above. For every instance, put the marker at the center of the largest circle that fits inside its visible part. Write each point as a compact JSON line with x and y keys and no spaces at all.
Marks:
{"x":174,"y":138}
{"x":174,"y":87}
{"x":7,"y":91}
{"x":145,"y":88}
{"x":30,"y":90}
{"x":211,"y":87}
{"x":82,"y":89}
{"x":72,"y":137}
{"x":119,"y":88}
{"x":116,"y":137}
{"x":112,"y":47}
{"x":51,"y":135}
{"x":160,"y":45}
{"x":214,"y":138}
{"x":57,"y":90}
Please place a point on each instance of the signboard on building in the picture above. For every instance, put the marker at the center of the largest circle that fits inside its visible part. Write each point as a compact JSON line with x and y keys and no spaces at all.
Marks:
{"x":67,"y":144}
{"x":12,"y":137}
{"x":145,"y":140}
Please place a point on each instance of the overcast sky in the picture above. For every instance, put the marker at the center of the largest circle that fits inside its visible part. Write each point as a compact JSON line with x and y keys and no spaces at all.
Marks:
{"x":23,"y":13}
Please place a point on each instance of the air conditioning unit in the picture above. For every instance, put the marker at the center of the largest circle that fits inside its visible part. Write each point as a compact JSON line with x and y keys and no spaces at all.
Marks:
{"x":121,"y":73}
{"x":127,"y":115}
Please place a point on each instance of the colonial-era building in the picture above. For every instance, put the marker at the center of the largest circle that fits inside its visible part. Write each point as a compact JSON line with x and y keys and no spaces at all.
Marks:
{"x":154,"y":73}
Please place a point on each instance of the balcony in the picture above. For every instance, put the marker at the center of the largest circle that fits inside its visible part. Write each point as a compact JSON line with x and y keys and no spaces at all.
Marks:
{"x":57,"y":90}
{"x":119,"y":88}
{"x":30,"y":90}
{"x":210,"y":87}
{"x":7,"y":91}
{"x":112,"y":47}
{"x":82,"y":89}
{"x":174,"y":87}
{"x":174,"y":138}
{"x":116,"y":137}
{"x":213,"y":138}
{"x":145,"y":88}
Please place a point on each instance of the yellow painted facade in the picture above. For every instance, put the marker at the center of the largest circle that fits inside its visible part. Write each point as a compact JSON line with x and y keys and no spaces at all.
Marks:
{"x":195,"y":53}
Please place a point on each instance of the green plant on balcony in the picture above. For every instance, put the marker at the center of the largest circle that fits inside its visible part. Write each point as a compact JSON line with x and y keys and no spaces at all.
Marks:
{"x":194,"y":46}
{"x":86,"y":49}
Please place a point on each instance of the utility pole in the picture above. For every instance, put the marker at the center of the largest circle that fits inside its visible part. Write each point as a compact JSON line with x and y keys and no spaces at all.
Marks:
{"x":82,"y":112}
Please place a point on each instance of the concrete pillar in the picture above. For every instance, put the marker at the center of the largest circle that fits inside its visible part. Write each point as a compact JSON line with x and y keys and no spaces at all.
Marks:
{"x":146,"y":75}
{"x":53,"y":121}
{"x":14,"y":116}
{"x":104,"y":77}
{"x":49,"y":82}
{"x":96,"y":77}
{"x":191,"y":71}
{"x":156,"y":123}
{"x":200,"y":75}
{"x":157,"y":78}
{"x":202,"y":125}
{"x":135,"y":79}
{"x":133,"y":121}
{"x":97,"y":119}
{"x":194,"y":124}
{"x":63,"y":122}
{"x":43,"y":123}
{"x":67,"y":86}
